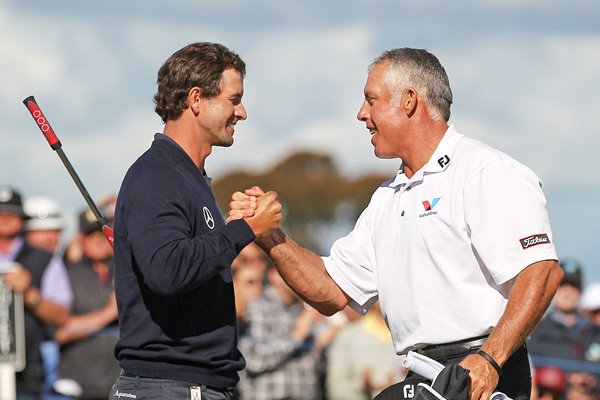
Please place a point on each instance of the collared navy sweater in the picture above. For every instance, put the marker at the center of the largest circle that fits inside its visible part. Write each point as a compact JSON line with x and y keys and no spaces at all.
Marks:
{"x":173,"y":254}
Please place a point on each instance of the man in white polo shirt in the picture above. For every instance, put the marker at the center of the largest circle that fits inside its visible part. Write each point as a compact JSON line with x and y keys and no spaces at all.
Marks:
{"x":457,"y":247}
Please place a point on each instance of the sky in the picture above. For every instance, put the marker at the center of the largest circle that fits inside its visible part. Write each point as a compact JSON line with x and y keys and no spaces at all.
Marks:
{"x":524,"y":76}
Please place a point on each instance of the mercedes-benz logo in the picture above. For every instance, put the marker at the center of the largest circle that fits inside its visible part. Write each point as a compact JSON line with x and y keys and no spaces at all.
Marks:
{"x":210,"y":221}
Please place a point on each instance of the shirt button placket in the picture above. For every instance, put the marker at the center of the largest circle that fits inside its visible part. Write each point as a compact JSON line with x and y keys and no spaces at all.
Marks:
{"x":404,"y":200}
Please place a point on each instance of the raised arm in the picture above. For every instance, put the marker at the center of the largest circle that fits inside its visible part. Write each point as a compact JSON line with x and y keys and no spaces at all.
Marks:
{"x":303,"y":270}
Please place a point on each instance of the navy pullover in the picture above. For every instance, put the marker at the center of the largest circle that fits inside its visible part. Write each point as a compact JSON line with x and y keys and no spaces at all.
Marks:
{"x":173,"y":254}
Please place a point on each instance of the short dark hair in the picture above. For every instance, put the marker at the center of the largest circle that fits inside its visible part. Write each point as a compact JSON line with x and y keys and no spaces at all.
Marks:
{"x":195,"y":65}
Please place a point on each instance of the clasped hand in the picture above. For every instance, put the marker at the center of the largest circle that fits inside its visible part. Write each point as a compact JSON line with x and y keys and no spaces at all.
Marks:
{"x":262,"y":211}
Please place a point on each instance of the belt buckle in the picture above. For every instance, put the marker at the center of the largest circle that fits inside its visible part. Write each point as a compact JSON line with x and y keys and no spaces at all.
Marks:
{"x":195,"y":393}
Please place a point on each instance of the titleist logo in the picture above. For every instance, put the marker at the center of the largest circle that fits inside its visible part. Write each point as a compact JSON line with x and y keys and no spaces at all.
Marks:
{"x":534,"y":240}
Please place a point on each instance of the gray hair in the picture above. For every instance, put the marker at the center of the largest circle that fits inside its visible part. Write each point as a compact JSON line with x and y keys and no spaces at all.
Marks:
{"x":421,"y":70}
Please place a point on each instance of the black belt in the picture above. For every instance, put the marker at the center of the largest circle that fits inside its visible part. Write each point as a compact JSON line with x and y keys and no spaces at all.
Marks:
{"x":446,"y":351}
{"x":214,"y":388}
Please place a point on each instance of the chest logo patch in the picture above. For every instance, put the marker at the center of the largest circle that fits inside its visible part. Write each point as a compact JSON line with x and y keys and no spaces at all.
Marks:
{"x":443,"y":161}
{"x":428,"y":207}
{"x":208,"y":218}
{"x":534,"y":240}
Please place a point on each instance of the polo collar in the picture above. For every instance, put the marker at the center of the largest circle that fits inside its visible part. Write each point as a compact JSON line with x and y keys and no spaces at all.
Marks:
{"x":439,"y":161}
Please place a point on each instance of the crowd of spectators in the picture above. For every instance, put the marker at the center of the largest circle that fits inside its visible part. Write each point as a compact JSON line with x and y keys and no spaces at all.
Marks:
{"x":70,"y":312}
{"x":565,"y":346}
{"x":292,"y":352}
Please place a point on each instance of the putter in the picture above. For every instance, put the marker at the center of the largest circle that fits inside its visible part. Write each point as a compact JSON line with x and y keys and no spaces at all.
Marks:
{"x":56,"y":145}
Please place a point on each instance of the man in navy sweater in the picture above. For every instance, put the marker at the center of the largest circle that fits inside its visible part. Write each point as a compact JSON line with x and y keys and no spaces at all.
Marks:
{"x":173,"y":249}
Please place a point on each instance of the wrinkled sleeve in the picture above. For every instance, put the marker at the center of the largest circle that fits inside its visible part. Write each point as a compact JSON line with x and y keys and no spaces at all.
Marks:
{"x":56,"y":285}
{"x":160,"y":232}
{"x":351,"y":264}
{"x":505,"y":211}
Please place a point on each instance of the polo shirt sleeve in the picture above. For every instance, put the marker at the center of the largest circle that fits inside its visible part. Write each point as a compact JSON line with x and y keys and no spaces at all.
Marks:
{"x":507,"y":218}
{"x":352,"y":267}
{"x":55,"y":284}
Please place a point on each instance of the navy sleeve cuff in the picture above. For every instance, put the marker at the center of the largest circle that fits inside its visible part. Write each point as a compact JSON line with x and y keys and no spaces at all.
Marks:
{"x":241,"y":233}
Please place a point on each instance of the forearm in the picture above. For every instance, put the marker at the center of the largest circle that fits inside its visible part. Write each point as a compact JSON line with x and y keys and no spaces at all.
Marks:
{"x":305,"y":272}
{"x":531,"y":294}
{"x":192,"y":261}
{"x":48,"y":311}
{"x":266,"y":355}
{"x":82,"y":326}
{"x":530,"y":297}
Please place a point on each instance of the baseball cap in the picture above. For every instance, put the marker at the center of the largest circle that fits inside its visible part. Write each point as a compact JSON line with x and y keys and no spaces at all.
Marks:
{"x":87,"y":219}
{"x":43,"y":214}
{"x":87,"y":222}
{"x":590,"y":299}
{"x":10,"y":201}
{"x":572,"y":272}
{"x":550,"y":378}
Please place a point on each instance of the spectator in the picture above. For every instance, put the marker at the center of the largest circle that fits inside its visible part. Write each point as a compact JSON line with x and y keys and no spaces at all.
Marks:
{"x":44,"y":224}
{"x":251,"y":256}
{"x":565,"y":332}
{"x":42,"y":280}
{"x":248,"y":286}
{"x":281,"y":359}
{"x":555,"y":384}
{"x":590,"y":307}
{"x":550,"y":383}
{"x":590,"y":303}
{"x":43,"y":228}
{"x":74,"y":249}
{"x":88,"y":338}
{"x":582,"y":386}
{"x":362,"y":361}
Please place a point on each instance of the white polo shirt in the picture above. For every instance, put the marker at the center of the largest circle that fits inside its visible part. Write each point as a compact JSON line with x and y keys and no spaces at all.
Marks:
{"x":440,"y":250}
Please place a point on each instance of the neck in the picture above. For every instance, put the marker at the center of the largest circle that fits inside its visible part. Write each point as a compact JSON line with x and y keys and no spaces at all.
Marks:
{"x":424,"y":140}
{"x":189,"y":140}
{"x":569,"y":318}
{"x":5,"y":243}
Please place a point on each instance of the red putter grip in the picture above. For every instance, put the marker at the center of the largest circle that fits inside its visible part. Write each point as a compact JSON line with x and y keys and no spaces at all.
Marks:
{"x":42,"y":122}
{"x":108,"y":233}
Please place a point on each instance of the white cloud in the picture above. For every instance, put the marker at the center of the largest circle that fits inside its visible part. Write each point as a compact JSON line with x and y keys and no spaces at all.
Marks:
{"x":303,"y":91}
{"x":533,"y":97}
{"x":27,"y":62}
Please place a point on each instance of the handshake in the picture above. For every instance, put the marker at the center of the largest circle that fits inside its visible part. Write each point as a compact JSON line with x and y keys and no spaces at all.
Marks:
{"x":262,"y":211}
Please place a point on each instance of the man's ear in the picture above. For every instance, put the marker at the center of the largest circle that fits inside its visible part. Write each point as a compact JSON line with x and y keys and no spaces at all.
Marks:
{"x":409,"y":101}
{"x":193,"y":99}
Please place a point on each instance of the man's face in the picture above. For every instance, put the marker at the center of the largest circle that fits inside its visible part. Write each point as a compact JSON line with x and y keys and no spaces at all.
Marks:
{"x":248,"y":281}
{"x":10,"y":225}
{"x":382,"y":114}
{"x":566,"y":298}
{"x":96,"y":247}
{"x":250,"y":256}
{"x":47,"y":239}
{"x":218,"y":115}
